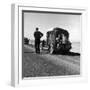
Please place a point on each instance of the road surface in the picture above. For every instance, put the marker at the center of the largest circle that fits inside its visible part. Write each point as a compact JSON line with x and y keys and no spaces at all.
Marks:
{"x":44,"y":64}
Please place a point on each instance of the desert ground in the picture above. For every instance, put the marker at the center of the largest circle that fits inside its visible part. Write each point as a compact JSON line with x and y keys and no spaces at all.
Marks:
{"x":45,"y":64}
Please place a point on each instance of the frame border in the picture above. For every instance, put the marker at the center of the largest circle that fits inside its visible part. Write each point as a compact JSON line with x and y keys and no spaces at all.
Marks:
{"x":17,"y":41}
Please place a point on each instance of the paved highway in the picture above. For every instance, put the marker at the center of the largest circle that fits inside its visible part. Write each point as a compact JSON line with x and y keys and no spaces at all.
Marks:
{"x":44,"y":64}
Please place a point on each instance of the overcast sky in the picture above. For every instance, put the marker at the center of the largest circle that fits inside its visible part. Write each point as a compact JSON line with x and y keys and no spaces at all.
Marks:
{"x":46,"y":21}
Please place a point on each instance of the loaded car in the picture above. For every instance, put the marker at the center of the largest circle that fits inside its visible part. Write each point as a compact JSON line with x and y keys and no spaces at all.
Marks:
{"x":26,"y":40}
{"x":58,"y":40}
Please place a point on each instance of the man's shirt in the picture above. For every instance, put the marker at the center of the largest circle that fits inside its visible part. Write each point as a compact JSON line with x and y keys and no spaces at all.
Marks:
{"x":38,"y":35}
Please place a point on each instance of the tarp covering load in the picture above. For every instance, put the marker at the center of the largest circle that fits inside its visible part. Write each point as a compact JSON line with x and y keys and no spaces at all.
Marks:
{"x":58,"y":40}
{"x":61,"y":31}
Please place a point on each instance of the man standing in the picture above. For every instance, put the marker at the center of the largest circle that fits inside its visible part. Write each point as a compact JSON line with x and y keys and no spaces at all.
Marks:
{"x":37,"y":36}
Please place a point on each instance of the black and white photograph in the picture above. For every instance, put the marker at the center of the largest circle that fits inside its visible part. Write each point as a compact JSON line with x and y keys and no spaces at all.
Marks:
{"x":51,"y":44}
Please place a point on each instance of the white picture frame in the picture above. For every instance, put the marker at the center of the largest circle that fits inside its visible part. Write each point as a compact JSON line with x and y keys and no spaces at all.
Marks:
{"x":16,"y":40}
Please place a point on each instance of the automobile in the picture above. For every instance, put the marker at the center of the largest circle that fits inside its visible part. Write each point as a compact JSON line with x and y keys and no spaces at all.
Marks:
{"x":58,"y":40}
{"x":26,"y":40}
